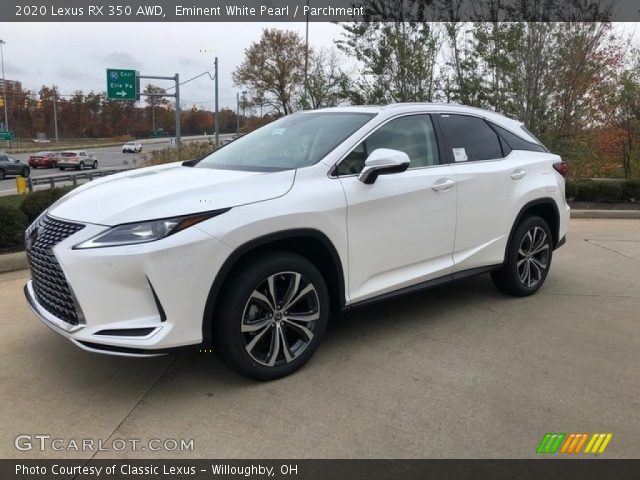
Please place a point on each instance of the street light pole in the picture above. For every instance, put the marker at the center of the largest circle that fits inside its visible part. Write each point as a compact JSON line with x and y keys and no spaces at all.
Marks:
{"x":306,"y":59}
{"x":216,"y":120}
{"x":4,"y":88}
{"x":55,"y":112}
{"x":244,"y":107}
{"x":237,"y":113}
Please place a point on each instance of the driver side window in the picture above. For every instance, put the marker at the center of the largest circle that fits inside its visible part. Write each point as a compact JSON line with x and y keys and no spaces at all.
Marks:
{"x":413,"y":135}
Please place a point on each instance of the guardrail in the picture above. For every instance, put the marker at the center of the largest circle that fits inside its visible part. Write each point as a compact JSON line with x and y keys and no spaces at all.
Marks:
{"x":51,"y":180}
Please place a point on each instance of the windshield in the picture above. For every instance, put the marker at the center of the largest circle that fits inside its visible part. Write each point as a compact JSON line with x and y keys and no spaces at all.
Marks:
{"x":294,"y":141}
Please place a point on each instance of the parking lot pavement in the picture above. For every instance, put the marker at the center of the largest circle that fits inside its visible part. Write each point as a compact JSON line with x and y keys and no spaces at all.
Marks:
{"x":458,"y":371}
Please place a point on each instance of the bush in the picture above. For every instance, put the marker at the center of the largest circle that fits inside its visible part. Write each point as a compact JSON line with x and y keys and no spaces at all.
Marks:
{"x":603,"y":191}
{"x":631,"y":190}
{"x":190,"y":151}
{"x":12,"y":226}
{"x":37,"y":202}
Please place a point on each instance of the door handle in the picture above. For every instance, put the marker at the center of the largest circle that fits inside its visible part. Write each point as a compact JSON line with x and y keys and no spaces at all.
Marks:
{"x":443,"y":184}
{"x":518,"y":174}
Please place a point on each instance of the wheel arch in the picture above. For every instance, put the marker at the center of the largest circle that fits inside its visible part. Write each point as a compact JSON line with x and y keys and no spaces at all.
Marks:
{"x":312,"y":244}
{"x":547,"y":209}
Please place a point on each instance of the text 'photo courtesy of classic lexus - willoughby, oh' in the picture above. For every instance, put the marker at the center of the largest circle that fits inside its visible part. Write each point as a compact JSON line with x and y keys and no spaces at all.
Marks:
{"x":249,"y":250}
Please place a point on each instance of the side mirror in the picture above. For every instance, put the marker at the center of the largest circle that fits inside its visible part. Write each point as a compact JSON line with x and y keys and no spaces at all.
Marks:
{"x":383,"y":161}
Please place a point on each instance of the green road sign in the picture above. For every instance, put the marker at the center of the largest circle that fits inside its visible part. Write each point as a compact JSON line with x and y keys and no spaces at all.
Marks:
{"x":7,"y":135}
{"x":121,"y":84}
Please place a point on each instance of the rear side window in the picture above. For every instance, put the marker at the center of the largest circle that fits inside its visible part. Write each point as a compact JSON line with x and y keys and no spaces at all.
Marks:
{"x":470,"y":138}
{"x":516,"y":142}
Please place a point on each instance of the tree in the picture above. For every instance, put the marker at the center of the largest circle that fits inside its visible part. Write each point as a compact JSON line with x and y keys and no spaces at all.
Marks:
{"x":154,"y":101}
{"x":397,"y":57}
{"x":273,"y":68}
{"x":327,"y":83}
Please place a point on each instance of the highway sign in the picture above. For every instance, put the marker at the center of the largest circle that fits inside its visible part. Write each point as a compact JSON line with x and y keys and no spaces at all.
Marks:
{"x":121,"y":84}
{"x":7,"y":135}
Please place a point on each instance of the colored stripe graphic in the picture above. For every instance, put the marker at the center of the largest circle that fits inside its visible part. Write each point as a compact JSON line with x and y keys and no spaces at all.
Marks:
{"x":551,"y":442}
{"x":598,"y":442}
{"x":574,"y":443}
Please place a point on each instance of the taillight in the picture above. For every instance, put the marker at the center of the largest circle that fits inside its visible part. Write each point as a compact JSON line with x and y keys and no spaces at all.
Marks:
{"x":562,"y":168}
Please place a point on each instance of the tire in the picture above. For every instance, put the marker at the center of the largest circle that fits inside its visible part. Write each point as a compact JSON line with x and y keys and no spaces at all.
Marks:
{"x":94,"y":165}
{"x":62,"y":169}
{"x":80,"y":166}
{"x":257,"y":351}
{"x":528,"y":259}
{"x":2,"y":175}
{"x":25,"y":172}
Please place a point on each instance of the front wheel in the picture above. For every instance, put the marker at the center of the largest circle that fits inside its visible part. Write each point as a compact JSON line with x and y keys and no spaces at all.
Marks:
{"x":272,"y":317}
{"x":94,"y":165}
{"x":26,"y":172}
{"x":528,"y":259}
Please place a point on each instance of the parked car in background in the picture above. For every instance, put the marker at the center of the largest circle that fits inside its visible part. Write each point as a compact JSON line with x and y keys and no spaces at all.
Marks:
{"x":12,"y":166}
{"x":132,"y":147}
{"x":78,"y":159}
{"x":44,"y":159}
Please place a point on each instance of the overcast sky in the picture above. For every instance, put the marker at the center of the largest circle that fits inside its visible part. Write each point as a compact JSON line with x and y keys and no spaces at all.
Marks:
{"x":74,"y":56}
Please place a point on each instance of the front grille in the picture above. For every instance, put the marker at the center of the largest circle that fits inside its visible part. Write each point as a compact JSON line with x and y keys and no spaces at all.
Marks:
{"x":49,"y":283}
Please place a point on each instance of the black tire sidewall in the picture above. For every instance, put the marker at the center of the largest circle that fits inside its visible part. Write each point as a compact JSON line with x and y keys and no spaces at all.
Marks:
{"x":227,"y":338}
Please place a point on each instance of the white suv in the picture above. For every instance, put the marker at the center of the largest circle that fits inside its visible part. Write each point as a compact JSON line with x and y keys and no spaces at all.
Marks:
{"x":248,"y":250}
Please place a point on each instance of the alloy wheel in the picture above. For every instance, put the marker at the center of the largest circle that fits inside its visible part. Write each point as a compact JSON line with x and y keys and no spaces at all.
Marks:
{"x":279,"y":319}
{"x":533,"y":257}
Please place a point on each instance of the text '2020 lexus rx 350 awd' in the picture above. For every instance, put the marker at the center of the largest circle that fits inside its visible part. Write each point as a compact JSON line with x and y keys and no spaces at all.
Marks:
{"x":249,"y":249}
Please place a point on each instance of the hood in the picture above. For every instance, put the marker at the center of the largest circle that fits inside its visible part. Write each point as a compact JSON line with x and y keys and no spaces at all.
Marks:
{"x":167,"y":191}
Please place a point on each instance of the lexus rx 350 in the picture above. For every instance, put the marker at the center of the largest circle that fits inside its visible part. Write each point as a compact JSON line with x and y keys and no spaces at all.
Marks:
{"x":250,"y":249}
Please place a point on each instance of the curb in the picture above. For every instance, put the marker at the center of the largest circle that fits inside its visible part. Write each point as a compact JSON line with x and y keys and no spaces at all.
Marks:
{"x":626,"y":214}
{"x":10,"y":262}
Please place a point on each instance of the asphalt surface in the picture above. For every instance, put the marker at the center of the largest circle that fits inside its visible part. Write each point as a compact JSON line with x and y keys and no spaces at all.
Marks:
{"x":460,"y":371}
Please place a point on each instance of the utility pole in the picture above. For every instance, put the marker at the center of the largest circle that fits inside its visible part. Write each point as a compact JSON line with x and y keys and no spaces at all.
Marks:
{"x":244,"y":107}
{"x":55,"y":113}
{"x":216,"y":119}
{"x":237,"y":113}
{"x":306,"y":58}
{"x":177,"y":78}
{"x":4,"y":88}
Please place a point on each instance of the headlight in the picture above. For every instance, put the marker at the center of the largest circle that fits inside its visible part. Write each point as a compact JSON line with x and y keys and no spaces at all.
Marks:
{"x":144,"y":232}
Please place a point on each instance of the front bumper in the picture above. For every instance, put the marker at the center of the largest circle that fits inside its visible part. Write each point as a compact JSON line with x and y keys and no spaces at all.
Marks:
{"x":136,"y":300}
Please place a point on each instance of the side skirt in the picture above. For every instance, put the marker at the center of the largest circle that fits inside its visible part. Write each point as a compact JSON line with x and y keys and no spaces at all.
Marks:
{"x":424,"y":285}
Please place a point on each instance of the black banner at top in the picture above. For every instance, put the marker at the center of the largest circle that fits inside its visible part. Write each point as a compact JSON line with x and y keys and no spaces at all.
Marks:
{"x":319,"y":10}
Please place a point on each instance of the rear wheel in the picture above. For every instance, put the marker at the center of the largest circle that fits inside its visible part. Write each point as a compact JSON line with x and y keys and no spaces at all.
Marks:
{"x":95,"y":164}
{"x":2,"y":175}
{"x":272,"y":317}
{"x":528,"y":259}
{"x":80,"y":166}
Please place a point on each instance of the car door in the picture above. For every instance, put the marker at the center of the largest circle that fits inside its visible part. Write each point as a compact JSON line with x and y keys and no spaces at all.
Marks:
{"x":400,"y":228}
{"x":13,"y":166}
{"x":486,"y":174}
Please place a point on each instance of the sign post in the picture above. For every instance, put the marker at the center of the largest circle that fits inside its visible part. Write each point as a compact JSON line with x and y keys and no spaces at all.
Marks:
{"x":123,"y":84}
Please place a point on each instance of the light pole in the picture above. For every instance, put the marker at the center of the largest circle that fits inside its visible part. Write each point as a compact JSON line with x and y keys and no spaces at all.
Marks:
{"x":237,"y":114}
{"x":4,"y":88}
{"x":244,"y":107}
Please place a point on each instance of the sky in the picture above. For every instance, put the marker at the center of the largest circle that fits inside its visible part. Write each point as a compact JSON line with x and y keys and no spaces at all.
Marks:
{"x":75,"y":56}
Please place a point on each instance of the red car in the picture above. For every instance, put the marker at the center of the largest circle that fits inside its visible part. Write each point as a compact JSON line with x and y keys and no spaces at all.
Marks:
{"x":44,"y":159}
